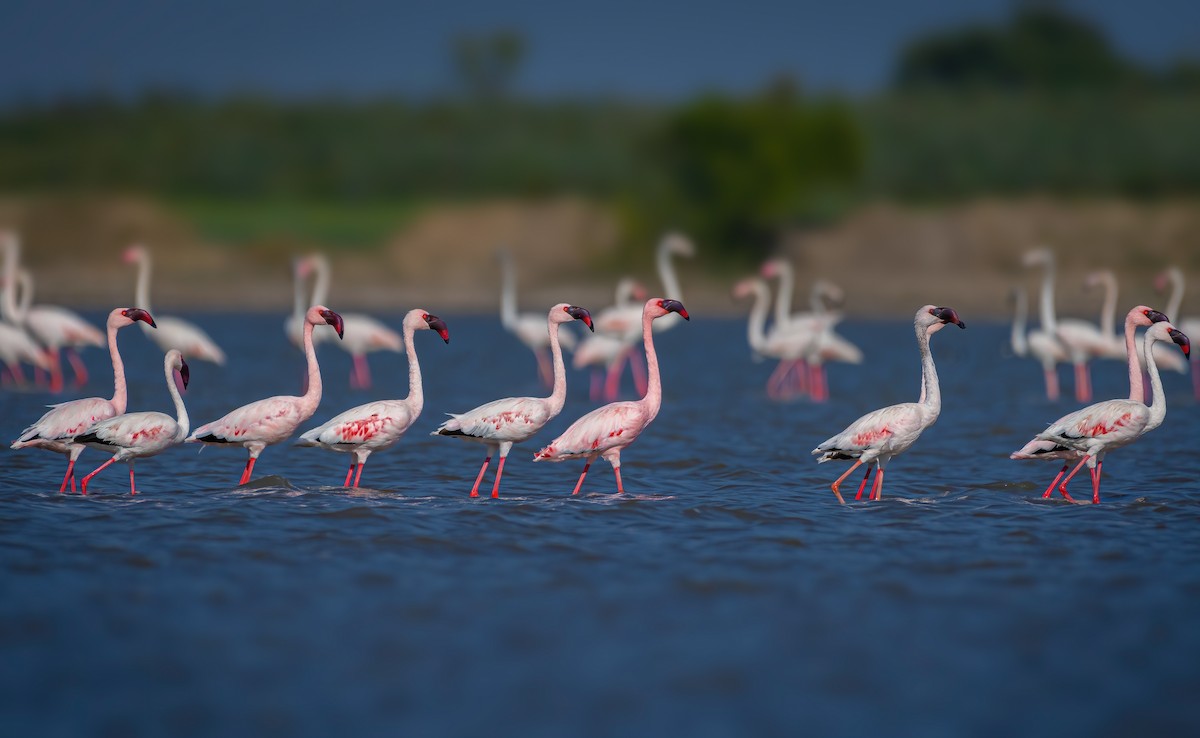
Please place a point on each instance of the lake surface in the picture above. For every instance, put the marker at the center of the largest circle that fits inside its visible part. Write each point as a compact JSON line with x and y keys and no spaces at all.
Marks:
{"x":727,"y":593}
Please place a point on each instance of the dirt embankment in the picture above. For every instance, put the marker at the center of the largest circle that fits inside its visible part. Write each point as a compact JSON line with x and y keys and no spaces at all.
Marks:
{"x":888,"y":258}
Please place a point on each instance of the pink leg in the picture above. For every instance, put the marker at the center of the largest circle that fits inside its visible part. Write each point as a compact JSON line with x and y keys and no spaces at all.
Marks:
{"x":132,"y":489}
{"x":69,"y":475}
{"x":496,"y":484}
{"x":246,"y":472}
{"x":99,"y":469}
{"x":358,"y":474}
{"x":364,"y":371}
{"x":863,"y":485}
{"x":545,"y":371}
{"x":475,"y":490}
{"x":596,"y":391}
{"x":620,"y":487}
{"x":18,"y":374}
{"x":1063,"y":487}
{"x":612,"y":384}
{"x":877,"y":486}
{"x":78,"y":367}
{"x":638,"y":367}
{"x":56,"y":377}
{"x":1081,"y":390}
{"x":1051,"y":384}
{"x":776,"y":380}
{"x":39,"y":376}
{"x":349,"y":472}
{"x":1050,"y":490}
{"x":1096,"y":482}
{"x":579,"y":484}
{"x":838,"y":482}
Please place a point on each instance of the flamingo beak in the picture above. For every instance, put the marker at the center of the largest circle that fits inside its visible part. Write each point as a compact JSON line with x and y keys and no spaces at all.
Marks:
{"x":947,"y":315}
{"x":1157,"y":317}
{"x":439,"y":325}
{"x":1178,"y":337}
{"x":334,"y":320}
{"x":130,"y":255}
{"x":184,"y":374}
{"x":675,"y":306}
{"x":579,"y":313}
{"x":136,"y":314}
{"x":1160,"y":283}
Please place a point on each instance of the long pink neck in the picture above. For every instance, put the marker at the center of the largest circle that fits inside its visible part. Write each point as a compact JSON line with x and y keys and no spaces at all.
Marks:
{"x":1136,"y":388}
{"x":119,"y":399}
{"x":312,"y":396}
{"x":653,"y":399}
{"x":558,"y":395}
{"x":416,"y":392}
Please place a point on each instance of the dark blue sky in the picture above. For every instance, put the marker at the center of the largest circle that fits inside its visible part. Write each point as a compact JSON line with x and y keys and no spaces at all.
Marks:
{"x":641,"y":49}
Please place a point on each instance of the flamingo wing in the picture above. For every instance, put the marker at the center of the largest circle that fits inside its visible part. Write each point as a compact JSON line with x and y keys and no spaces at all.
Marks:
{"x":612,"y":426}
{"x":187,"y":337}
{"x":888,"y":430}
{"x":1104,"y":423}
{"x":512,"y":419}
{"x":374,"y":424}
{"x":66,"y":420}
{"x":142,"y":433}
{"x":270,"y":420}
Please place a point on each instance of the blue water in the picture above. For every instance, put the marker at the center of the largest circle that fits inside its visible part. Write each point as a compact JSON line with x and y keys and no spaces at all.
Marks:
{"x":726,"y":594}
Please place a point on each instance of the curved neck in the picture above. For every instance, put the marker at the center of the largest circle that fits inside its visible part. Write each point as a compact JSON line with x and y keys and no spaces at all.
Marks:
{"x":508,"y":293}
{"x":1136,"y":388}
{"x":558,"y":395}
{"x":1158,"y":401}
{"x":416,"y":393}
{"x":142,"y":291}
{"x":756,"y":326}
{"x":8,"y":303}
{"x":1176,"y":278}
{"x":312,"y":396}
{"x":181,"y":415}
{"x":320,"y":281}
{"x":653,"y":397}
{"x":298,"y":305}
{"x":816,"y":300}
{"x":1020,"y":345}
{"x":1049,"y":323}
{"x":931,"y":393}
{"x":783,"y":298}
{"x":119,"y":398}
{"x":1108,"y":313}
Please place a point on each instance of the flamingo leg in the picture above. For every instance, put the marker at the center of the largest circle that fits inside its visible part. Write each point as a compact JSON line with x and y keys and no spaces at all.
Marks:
{"x":1081,"y":383}
{"x":358,"y":474}
{"x":349,"y":472}
{"x":545,"y":371}
{"x":579,"y":484}
{"x":617,"y":473}
{"x":1063,"y":487}
{"x":78,"y":367}
{"x":19,"y":375}
{"x":877,"y":486}
{"x":249,"y":468}
{"x":777,"y":378}
{"x":499,"y":471}
{"x":1096,"y":482}
{"x":596,"y":390}
{"x":863,"y":485}
{"x":99,"y":469}
{"x":56,"y":377}
{"x":132,"y":489}
{"x":637,"y":367}
{"x":816,"y":383}
{"x":69,"y":475}
{"x":475,"y":490}
{"x":1051,"y":383}
{"x":612,"y":384}
{"x":838,"y":482}
{"x":1050,"y":490}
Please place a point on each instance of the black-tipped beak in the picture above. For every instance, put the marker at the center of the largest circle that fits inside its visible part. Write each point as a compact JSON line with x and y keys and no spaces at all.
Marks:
{"x":579,"y":313}
{"x":1157,"y":317}
{"x":439,"y":325}
{"x":947,"y":315}
{"x":184,"y":374}
{"x":136,"y":314}
{"x":1179,"y":338}
{"x":675,"y":306}
{"x":334,"y":320}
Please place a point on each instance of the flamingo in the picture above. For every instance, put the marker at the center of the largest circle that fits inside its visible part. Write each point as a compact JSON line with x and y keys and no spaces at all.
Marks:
{"x":501,"y":423}
{"x":827,"y":345}
{"x":787,"y":348}
{"x":366,"y":333}
{"x":1166,"y":359}
{"x":377,"y":425}
{"x":810,"y":332}
{"x":1097,"y":429}
{"x":16,"y":345}
{"x":1190,"y":326}
{"x":608,"y":429}
{"x":1080,"y":340}
{"x":135,"y":435}
{"x":54,"y":327}
{"x":1017,"y":339}
{"x":56,"y":430}
{"x":606,"y":349}
{"x":1140,"y":316}
{"x":884,"y":433}
{"x":269,"y":421}
{"x":529,"y":328}
{"x":172,"y":333}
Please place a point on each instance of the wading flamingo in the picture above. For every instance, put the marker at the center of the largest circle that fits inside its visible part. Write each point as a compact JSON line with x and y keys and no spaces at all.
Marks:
{"x":266,"y":422}
{"x":1097,"y":429}
{"x":172,"y":333}
{"x":787,"y":348}
{"x":501,"y":423}
{"x":529,"y":328}
{"x":16,"y":345}
{"x":374,"y":426}
{"x":1079,"y":339}
{"x":135,"y":435}
{"x":604,"y":351}
{"x":1140,"y":316}
{"x":1164,"y":357}
{"x":364,"y":333}
{"x":1190,"y":326}
{"x":879,"y":435}
{"x":56,"y":430}
{"x":606,"y":430}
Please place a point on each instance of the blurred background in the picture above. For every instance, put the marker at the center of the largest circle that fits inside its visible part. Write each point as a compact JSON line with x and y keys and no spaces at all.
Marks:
{"x":911,"y":151}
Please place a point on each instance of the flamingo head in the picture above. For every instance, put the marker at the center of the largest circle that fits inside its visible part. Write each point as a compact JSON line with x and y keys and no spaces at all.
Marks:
{"x":638,"y":291}
{"x":1038,"y":257}
{"x":1182,"y":341}
{"x":746,"y":287}
{"x":935,"y":318}
{"x":578,"y":313}
{"x":130,"y":316}
{"x":134,"y":254}
{"x":660,"y":306}
{"x":434,"y":323}
{"x":832,"y":294}
{"x":1145,"y":316}
{"x":321,"y":315}
{"x":1098,"y":278}
{"x":678,"y":244}
{"x":771,"y":268}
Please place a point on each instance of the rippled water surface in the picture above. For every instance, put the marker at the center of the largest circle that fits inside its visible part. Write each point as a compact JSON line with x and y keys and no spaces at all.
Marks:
{"x":727,"y":593}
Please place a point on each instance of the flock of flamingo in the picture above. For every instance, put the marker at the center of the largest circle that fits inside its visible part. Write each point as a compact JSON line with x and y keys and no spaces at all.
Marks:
{"x":801,"y":343}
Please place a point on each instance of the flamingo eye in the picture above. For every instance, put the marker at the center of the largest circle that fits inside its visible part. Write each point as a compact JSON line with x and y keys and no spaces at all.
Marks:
{"x":424,"y":316}
{"x":566,"y":308}
{"x":660,"y":303}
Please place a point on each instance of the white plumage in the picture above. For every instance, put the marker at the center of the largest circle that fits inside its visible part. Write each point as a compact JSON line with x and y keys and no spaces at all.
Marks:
{"x":173,"y":333}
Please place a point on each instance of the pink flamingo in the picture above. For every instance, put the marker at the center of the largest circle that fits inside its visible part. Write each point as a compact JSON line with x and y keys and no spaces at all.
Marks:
{"x":1097,"y":429}
{"x":266,"y":422}
{"x":56,"y":430}
{"x":1079,"y":339}
{"x":879,"y":435}
{"x":16,"y":345}
{"x":1140,"y":316}
{"x":606,"y":350}
{"x":135,"y":435}
{"x":529,"y":328}
{"x":1190,"y":326}
{"x":605,"y":431}
{"x":501,"y":423}
{"x":172,"y":333}
{"x":377,"y":425}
